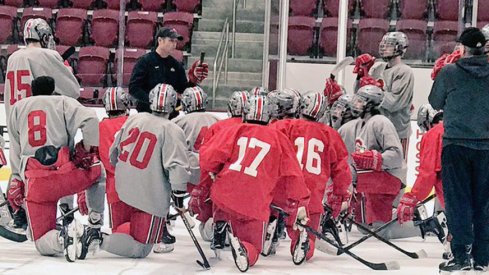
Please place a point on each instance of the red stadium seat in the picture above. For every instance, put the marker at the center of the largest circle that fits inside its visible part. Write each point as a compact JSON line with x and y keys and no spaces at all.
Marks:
{"x":370,"y":32}
{"x":7,"y":15}
{"x":186,"y":5}
{"x":302,"y":7}
{"x":36,"y":12}
{"x":130,"y":58}
{"x":178,"y":55}
{"x":82,"y":4}
{"x":332,"y":7}
{"x":14,"y":3}
{"x":182,"y":22}
{"x":481,"y":24}
{"x":114,"y":4}
{"x":375,"y":8}
{"x":413,"y":9}
{"x":416,"y":33}
{"x":105,"y":27}
{"x":47,"y":3}
{"x":447,"y":9}
{"x":69,"y":26}
{"x":140,"y":28}
{"x":300,"y":36}
{"x":482,"y":11}
{"x":11,"y":49}
{"x":444,"y":36}
{"x":328,"y":35}
{"x":152,"y":5}
{"x":92,"y":65}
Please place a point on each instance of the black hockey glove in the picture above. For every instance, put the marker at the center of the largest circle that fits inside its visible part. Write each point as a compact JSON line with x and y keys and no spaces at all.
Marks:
{"x":177,"y":197}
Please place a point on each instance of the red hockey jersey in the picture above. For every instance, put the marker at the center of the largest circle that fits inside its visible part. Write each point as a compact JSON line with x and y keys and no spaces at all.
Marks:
{"x":430,"y":165}
{"x":322,"y":154}
{"x":251,"y":162}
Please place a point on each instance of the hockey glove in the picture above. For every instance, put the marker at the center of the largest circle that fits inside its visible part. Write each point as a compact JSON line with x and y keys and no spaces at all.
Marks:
{"x":369,"y":159}
{"x":82,"y":203}
{"x":405,"y":209}
{"x":16,"y":194}
{"x":3,"y":160}
{"x":198,"y":198}
{"x":338,"y":203}
{"x":368,"y":80}
{"x":198,"y":72}
{"x":332,"y":91}
{"x":301,"y":217}
{"x":177,"y":197}
{"x":363,"y":63}
{"x":84,"y":159}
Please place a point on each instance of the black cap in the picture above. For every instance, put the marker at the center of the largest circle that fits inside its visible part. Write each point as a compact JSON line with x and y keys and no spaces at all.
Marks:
{"x":169,"y":32}
{"x":472,"y":38}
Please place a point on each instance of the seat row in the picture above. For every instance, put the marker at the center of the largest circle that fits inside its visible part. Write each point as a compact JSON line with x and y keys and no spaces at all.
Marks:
{"x":76,"y":27}
{"x":146,"y":5}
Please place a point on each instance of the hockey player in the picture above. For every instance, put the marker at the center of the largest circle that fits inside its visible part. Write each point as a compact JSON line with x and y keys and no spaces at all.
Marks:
{"x":200,"y":203}
{"x":149,"y":150}
{"x":399,"y":84}
{"x":340,"y":112}
{"x":248,"y":162}
{"x":285,"y":104}
{"x":485,"y":31}
{"x":332,"y":91}
{"x":321,"y":154}
{"x":41,"y":130}
{"x":376,"y":155}
{"x":39,"y":58}
{"x":258,"y":91}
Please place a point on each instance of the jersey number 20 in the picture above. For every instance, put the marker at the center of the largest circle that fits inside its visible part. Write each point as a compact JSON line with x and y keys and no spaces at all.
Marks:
{"x":144,"y":138}
{"x":243,"y":145}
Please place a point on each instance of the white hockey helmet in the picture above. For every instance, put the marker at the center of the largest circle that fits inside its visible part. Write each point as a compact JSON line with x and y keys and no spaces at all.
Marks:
{"x":485,"y":31}
{"x":367,"y":98}
{"x":313,"y":105}
{"x":194,"y":99}
{"x":257,"y":109}
{"x":393,"y":44}
{"x":427,"y":117}
{"x":285,"y":103}
{"x":37,"y":29}
{"x":115,"y":99}
{"x":162,"y":98}
{"x":258,"y":91}
{"x":341,"y":112}
{"x":237,"y":102}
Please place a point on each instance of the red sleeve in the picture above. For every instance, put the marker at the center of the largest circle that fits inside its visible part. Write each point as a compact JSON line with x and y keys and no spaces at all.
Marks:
{"x":217,"y":150}
{"x":340,"y":170}
{"x":430,"y":156}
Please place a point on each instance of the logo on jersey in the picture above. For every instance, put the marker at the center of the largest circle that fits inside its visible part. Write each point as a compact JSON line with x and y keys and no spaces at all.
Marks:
{"x":360,"y":145}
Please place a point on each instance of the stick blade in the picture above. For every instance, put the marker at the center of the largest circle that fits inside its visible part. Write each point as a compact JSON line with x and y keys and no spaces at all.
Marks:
{"x":392,"y":265}
{"x":422,"y":254}
{"x":341,"y":65}
{"x":12,"y":234}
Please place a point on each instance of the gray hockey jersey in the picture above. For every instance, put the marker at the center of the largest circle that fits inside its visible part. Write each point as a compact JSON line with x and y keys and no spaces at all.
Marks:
{"x":398,"y":98}
{"x":150,"y":158}
{"x":26,"y":64}
{"x":47,"y":120}
{"x":193,"y":124}
{"x":377,"y":133}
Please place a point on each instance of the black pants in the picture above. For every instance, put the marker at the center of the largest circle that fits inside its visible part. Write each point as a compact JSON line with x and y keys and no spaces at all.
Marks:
{"x":465,"y":174}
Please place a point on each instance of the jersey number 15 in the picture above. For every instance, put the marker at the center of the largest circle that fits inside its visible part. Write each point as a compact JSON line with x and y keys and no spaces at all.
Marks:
{"x":17,"y":86}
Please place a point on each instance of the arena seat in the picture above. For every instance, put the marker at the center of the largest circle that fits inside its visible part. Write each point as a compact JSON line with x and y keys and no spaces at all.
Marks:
{"x":11,"y":49}
{"x":186,"y":5}
{"x":130,"y":58}
{"x":482,"y":12}
{"x":328,"y":35}
{"x":444,"y":36}
{"x":47,"y":3}
{"x":35,"y":12}
{"x":105,"y":27}
{"x":370,"y":32}
{"x":92,"y":65}
{"x":375,"y":8}
{"x":140,"y":28}
{"x":302,"y":7}
{"x":152,"y":5}
{"x":178,"y":55}
{"x":417,"y":37}
{"x":332,"y":7}
{"x":183,"y":24}
{"x":114,"y":4}
{"x":413,"y":9}
{"x":7,"y":16}
{"x":14,"y":3}
{"x":70,"y":24}
{"x":447,"y":9}
{"x":300,"y":38}
{"x":82,"y":4}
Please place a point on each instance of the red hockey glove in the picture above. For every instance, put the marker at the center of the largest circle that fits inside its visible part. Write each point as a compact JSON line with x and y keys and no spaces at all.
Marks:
{"x":198,"y":72}
{"x":3,"y":160}
{"x":363,"y":63}
{"x":368,"y":80}
{"x":405,"y":210}
{"x":444,"y":60}
{"x":15,"y":194}
{"x":454,"y":56}
{"x":198,"y":198}
{"x":82,"y":203}
{"x":84,"y":159}
{"x":370,"y":159}
{"x":338,"y":202}
{"x":332,"y":91}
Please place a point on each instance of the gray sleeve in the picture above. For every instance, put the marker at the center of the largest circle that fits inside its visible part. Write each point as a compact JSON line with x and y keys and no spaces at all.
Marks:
{"x":114,"y":149}
{"x":174,"y":157}
{"x":77,"y":117}
{"x":65,"y":81}
{"x":387,"y":137}
{"x":401,"y":92}
{"x":14,"y":151}
{"x":439,"y":91}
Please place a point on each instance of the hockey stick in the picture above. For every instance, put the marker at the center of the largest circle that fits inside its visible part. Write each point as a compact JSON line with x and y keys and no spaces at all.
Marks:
{"x":205,"y":264}
{"x":377,"y":230}
{"x":69,"y":52}
{"x":67,"y":213}
{"x":392,"y":265}
{"x":340,"y":66}
{"x":3,"y":203}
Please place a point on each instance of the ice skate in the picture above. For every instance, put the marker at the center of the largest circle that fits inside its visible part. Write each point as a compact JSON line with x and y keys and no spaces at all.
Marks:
{"x":301,"y":248}
{"x":167,"y":243}
{"x":71,"y":236}
{"x":239,"y":253}
{"x":219,"y":240}
{"x":268,"y":244}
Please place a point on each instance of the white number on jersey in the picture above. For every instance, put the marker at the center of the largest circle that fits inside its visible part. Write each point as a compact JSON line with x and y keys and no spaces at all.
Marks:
{"x":243,"y":145}
{"x":313,"y":159}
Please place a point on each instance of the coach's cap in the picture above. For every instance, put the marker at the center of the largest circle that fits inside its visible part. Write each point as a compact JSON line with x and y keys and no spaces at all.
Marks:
{"x":169,"y":32}
{"x":472,"y":38}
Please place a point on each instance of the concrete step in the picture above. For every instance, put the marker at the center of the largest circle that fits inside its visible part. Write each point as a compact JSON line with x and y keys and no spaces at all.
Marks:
{"x":234,"y":65}
{"x":234,"y":80}
{"x":247,"y":37}
{"x":250,"y":4}
{"x":241,"y":14}
{"x":242,"y":26}
{"x":242,"y":50}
